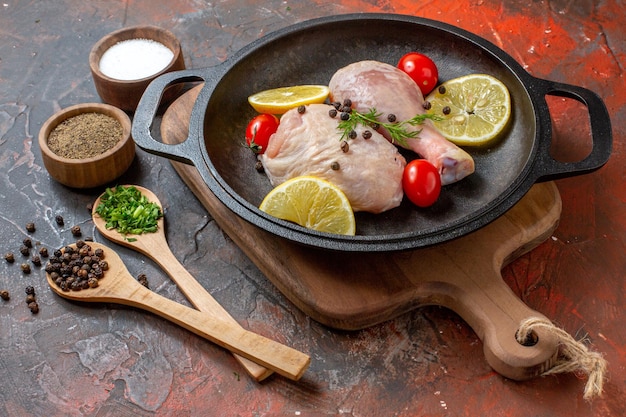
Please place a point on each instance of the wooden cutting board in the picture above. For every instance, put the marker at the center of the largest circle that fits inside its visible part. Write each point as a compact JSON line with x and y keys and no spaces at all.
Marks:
{"x":355,"y":290}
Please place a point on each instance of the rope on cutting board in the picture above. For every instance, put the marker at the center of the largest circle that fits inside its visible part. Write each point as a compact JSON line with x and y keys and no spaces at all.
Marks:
{"x":574,"y":356}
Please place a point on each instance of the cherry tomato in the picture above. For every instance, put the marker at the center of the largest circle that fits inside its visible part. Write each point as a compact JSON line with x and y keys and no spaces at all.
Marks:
{"x":422,"y":69}
{"x":421,"y":182}
{"x":259,"y":131}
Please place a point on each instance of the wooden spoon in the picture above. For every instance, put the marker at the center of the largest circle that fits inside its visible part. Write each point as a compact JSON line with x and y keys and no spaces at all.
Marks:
{"x":155,"y":247}
{"x":118,"y":286}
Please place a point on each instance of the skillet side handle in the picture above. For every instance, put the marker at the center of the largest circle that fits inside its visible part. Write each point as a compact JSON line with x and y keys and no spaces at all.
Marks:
{"x":146,"y":111}
{"x":548,"y":168}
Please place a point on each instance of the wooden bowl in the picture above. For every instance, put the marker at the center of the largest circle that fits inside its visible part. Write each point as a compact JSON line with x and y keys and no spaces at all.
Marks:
{"x":125,"y":94}
{"x":94,"y":171}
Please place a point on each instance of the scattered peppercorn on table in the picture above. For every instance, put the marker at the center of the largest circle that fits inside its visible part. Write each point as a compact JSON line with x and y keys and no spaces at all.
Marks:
{"x":59,"y":357}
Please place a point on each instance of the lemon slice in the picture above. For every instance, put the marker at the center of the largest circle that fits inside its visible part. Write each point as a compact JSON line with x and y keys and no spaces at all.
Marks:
{"x":480,"y":108}
{"x":313,"y":203}
{"x":279,"y":100}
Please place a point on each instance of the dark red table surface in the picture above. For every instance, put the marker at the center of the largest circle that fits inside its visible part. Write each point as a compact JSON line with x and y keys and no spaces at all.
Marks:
{"x":105,"y":360}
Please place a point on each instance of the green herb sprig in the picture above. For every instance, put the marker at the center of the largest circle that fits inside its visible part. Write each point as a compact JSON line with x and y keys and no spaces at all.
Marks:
{"x":128,"y":211}
{"x":397,"y":130}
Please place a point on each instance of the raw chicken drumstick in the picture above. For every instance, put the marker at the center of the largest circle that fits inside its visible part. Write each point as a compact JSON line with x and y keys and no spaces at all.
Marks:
{"x":377,"y":85}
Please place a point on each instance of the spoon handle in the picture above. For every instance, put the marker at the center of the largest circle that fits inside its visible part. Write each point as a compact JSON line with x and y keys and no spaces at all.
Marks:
{"x":197,"y":295}
{"x":282,"y":359}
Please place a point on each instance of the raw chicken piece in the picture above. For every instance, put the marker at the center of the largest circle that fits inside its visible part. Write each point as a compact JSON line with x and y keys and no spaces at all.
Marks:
{"x":370,"y":173}
{"x":373,"y":84}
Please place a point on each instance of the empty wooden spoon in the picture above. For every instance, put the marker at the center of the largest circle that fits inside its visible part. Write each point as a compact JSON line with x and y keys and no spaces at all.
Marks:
{"x":118,"y":286}
{"x":154,"y":246}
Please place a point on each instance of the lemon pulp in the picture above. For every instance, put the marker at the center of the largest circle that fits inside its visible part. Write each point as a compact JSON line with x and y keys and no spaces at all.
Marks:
{"x":313,"y":203}
{"x":280,"y":100}
{"x":480,"y":108}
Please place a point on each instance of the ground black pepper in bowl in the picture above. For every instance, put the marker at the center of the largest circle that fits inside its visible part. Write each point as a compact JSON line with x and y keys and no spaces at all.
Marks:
{"x":85,"y":135}
{"x":87,"y":145}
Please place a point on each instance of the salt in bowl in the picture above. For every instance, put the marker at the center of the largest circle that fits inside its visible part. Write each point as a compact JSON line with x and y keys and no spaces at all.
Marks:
{"x":113,"y":88}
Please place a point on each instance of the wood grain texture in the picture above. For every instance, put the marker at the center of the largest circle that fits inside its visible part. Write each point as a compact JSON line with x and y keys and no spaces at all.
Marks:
{"x":155,"y":247}
{"x":94,"y":171}
{"x":75,"y":358}
{"x":118,"y":286}
{"x":126,"y":94}
{"x":356,"y":290}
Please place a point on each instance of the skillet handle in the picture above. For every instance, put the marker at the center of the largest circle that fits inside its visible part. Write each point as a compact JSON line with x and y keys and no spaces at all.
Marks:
{"x":547,"y":168}
{"x":146,"y":112}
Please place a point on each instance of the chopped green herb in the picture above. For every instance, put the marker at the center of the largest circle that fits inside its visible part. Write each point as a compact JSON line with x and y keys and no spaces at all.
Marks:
{"x":128,"y":211}
{"x":397,"y":130}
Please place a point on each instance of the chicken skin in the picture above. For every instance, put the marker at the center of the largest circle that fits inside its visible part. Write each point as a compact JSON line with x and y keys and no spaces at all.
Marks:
{"x":368,"y":171}
{"x":380,"y":86}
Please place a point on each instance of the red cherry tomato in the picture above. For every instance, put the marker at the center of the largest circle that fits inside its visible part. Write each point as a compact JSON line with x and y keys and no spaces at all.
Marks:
{"x":422,"y":69}
{"x":259,"y":131}
{"x":421,"y":182}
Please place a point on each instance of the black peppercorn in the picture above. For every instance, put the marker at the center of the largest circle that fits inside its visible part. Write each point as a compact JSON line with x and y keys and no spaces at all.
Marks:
{"x":347,"y":103}
{"x":367,"y":134}
{"x":352,"y":134}
{"x":446,"y":110}
{"x":25,"y":268}
{"x":301,"y":109}
{"x":36,"y":260}
{"x":30,"y":298}
{"x":391,"y":118}
{"x":336,"y":104}
{"x":34,"y":307}
{"x":76,"y":231}
{"x":43,"y":251}
{"x":259,"y":166}
{"x":426,"y":105}
{"x":28,"y":242}
{"x":345,"y":147}
{"x":442,"y":89}
{"x":30,"y":227}
{"x":59,"y":220}
{"x":30,"y":290}
{"x":9,"y":257}
{"x":4,"y":294}
{"x":143,"y":280}
{"x":334,"y":166}
{"x":24,"y":250}
{"x":345,"y":116}
{"x":332,"y":113}
{"x":77,"y":270}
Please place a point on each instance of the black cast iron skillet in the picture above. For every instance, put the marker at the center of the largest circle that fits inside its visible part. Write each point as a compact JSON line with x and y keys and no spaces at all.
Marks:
{"x":309,"y":53}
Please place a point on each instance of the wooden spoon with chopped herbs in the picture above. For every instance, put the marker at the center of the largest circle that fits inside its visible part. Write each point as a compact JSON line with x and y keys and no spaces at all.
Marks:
{"x":133,"y":217}
{"x":117,"y":285}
